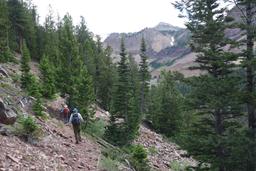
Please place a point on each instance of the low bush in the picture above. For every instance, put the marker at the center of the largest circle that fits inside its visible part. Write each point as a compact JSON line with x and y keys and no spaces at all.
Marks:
{"x":108,"y":164}
{"x":179,"y":166}
{"x":28,"y":128}
{"x":138,"y":157}
{"x":95,"y":128}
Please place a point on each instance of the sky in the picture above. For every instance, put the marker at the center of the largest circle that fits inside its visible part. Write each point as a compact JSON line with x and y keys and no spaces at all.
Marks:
{"x":107,"y":16}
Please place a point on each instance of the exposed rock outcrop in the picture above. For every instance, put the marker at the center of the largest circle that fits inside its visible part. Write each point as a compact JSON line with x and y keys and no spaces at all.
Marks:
{"x":3,"y":72}
{"x":7,"y":115}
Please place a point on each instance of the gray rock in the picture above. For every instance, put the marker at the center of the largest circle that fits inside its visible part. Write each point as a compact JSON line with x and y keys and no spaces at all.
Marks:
{"x":4,"y":131}
{"x":3,"y":72}
{"x":7,"y":115}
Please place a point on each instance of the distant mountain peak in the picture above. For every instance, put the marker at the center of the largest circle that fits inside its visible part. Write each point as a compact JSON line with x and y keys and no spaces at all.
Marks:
{"x":162,"y":26}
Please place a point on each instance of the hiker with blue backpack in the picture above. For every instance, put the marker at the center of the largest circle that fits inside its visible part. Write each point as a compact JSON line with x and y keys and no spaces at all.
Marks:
{"x":76,"y":120}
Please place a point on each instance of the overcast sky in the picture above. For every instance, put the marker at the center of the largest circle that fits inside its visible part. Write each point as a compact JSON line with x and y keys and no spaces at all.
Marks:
{"x":106,"y":16}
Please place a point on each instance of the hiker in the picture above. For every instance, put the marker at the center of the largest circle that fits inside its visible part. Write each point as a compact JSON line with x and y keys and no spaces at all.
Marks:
{"x":76,"y":120}
{"x":65,"y":113}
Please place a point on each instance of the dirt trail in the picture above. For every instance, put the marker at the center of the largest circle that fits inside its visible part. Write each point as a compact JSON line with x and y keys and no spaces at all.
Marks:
{"x":56,"y":151}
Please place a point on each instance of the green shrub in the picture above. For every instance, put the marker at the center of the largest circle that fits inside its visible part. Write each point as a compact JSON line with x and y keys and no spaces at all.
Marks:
{"x":138,"y":157}
{"x":108,"y":164}
{"x":96,"y":128}
{"x":152,"y":150}
{"x":28,"y":128}
{"x":179,"y":166}
{"x":15,"y":78}
{"x":38,"y":108}
{"x":6,"y":55}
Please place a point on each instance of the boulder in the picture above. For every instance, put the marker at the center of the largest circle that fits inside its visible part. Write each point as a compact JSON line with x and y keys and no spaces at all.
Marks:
{"x":3,"y":72}
{"x":7,"y":115}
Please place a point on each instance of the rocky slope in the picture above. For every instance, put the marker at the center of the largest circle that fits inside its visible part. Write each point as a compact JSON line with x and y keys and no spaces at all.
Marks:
{"x":55,"y":149}
{"x":162,"y":154}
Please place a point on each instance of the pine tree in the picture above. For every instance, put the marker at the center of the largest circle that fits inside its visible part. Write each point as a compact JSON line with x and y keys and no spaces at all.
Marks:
{"x":30,"y":27}
{"x":215,"y":94}
{"x":51,"y":40}
{"x":70,"y":62}
{"x":48,"y":80}
{"x":125,"y":114}
{"x":134,"y":115}
{"x":35,"y":91}
{"x":121,"y":102}
{"x":73,"y":77}
{"x":248,"y":13}
{"x":84,"y":96}
{"x":106,"y":80}
{"x":25,"y":68}
{"x":144,"y":76}
{"x":247,"y":8}
{"x":87,"y":47}
{"x":122,"y":92}
{"x":166,"y":111}
{"x":22,"y":26}
{"x":98,"y":64}
{"x":5,"y":53}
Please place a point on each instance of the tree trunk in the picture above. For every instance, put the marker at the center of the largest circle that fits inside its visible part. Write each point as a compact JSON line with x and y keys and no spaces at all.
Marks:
{"x":219,"y":130}
{"x":142,"y":105}
{"x":250,"y":68}
{"x":20,"y":42}
{"x":250,"y":79}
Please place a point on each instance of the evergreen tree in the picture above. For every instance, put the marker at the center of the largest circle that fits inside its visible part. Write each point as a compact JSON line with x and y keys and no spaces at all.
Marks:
{"x":22,"y":26}
{"x":106,"y":80}
{"x":25,"y":68}
{"x":87,"y":47}
{"x":83,"y":96}
{"x":125,"y":112}
{"x":121,"y":102}
{"x":5,"y":53}
{"x":134,"y":115}
{"x":144,"y":76}
{"x":72,"y":77}
{"x":48,"y":80}
{"x":31,"y":26}
{"x":166,"y":106}
{"x":98,"y":62}
{"x":247,"y":9}
{"x":34,"y":90}
{"x":51,"y":40}
{"x":215,"y":94}
{"x":70,"y":62}
{"x":122,"y":92}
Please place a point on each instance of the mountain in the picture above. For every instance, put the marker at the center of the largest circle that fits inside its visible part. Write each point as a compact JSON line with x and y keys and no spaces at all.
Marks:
{"x":165,"y":44}
{"x":163,"y":41}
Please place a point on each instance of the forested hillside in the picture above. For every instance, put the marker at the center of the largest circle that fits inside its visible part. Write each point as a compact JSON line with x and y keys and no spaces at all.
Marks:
{"x":211,"y":116}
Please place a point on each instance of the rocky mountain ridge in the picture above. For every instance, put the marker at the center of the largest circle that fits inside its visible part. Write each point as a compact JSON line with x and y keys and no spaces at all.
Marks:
{"x":167,"y":45}
{"x":163,"y":41}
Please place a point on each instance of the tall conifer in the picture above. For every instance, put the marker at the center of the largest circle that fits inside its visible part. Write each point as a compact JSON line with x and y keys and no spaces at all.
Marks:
{"x":215,"y":98}
{"x":144,"y":76}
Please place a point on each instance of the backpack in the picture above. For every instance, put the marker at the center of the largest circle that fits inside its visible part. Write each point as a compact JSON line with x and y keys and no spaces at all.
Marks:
{"x":65,"y":111}
{"x":75,"y":119}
